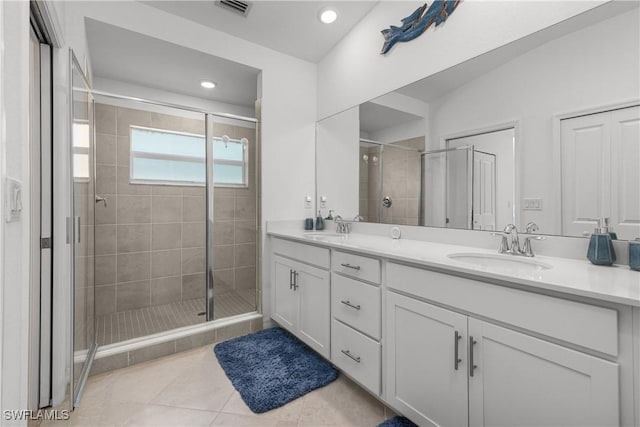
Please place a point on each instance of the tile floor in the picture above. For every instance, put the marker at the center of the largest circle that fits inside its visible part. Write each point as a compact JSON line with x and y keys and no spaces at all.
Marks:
{"x":191,"y":389}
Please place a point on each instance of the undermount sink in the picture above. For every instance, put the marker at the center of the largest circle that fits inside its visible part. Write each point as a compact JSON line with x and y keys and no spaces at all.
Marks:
{"x":326,"y":237}
{"x":507,"y":263}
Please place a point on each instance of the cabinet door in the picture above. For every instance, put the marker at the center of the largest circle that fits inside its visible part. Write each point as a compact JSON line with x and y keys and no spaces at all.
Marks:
{"x":314,"y":315}
{"x":525,"y":381}
{"x":423,"y":380}
{"x":285,"y":300}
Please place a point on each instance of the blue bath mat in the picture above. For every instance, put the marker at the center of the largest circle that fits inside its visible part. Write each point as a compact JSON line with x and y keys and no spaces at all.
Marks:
{"x":272,"y":367}
{"x":397,"y":422}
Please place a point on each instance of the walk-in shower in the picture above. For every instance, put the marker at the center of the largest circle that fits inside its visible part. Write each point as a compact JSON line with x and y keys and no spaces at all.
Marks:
{"x":166,"y":218}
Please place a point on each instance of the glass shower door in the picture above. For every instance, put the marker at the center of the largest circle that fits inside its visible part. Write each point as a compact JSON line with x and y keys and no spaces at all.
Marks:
{"x":82,"y":228}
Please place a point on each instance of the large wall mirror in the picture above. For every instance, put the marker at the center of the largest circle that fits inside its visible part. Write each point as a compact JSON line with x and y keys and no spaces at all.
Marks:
{"x":545,"y":129}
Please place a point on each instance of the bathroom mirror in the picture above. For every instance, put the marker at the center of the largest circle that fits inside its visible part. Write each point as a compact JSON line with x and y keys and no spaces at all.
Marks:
{"x":544,"y":130}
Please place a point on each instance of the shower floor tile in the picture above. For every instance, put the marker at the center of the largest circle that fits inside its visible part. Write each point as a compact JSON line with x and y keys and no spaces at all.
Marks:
{"x":126,"y":325}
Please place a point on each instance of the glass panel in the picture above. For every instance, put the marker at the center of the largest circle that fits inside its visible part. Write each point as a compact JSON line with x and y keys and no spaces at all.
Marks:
{"x":459,"y":188}
{"x":84,"y":338}
{"x":228,"y":151}
{"x":168,"y":170}
{"x":228,"y":174}
{"x":166,"y":142}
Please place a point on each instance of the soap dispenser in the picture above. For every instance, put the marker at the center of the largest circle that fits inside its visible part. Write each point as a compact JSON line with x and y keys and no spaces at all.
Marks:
{"x":600,"y":250}
{"x":319,"y":222}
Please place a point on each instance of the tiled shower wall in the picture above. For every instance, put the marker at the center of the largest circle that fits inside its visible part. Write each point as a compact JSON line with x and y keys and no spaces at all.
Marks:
{"x":150,"y":239}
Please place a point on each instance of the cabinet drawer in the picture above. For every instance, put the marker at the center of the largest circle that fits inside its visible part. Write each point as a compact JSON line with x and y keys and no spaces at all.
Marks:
{"x":357,"y":304}
{"x":356,"y":355}
{"x":582,"y":324}
{"x":357,"y":266}
{"x":308,"y":254}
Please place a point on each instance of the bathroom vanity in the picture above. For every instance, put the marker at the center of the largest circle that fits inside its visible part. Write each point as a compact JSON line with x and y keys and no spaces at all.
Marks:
{"x":449,"y":335}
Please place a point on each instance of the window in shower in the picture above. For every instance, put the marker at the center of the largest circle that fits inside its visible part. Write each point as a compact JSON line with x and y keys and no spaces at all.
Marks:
{"x":165,"y":157}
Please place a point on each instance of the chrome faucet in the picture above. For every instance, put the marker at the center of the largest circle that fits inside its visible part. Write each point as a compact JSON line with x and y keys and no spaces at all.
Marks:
{"x":342,"y":227}
{"x":514,"y":247}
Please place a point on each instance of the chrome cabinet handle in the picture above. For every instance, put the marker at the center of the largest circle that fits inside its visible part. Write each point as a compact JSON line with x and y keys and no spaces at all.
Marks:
{"x":351,"y":356}
{"x":472,"y":366}
{"x":348,"y":303}
{"x":456,"y":340}
{"x":355,"y":267}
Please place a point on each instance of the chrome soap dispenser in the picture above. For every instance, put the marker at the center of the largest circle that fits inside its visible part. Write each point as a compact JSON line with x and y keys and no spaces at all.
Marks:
{"x":600,"y":250}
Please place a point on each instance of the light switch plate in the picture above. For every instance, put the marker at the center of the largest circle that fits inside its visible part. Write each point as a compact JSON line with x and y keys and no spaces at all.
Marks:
{"x":532,"y":204}
{"x":13,"y":200}
{"x":307,"y":202}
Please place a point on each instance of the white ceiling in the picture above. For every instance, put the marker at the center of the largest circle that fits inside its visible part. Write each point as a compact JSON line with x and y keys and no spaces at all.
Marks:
{"x":290,"y":27}
{"x":134,"y":58}
{"x":375,"y":117}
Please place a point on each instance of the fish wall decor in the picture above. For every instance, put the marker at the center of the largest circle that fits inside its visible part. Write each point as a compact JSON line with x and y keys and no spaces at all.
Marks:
{"x":418,"y":22}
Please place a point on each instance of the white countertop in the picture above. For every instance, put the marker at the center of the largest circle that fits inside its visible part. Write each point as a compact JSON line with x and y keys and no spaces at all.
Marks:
{"x":617,"y":284}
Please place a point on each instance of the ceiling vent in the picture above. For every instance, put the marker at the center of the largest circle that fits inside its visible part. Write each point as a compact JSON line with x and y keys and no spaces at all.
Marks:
{"x":237,"y":6}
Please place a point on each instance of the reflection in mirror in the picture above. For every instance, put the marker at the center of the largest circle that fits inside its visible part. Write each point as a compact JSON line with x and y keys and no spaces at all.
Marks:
{"x":570,"y":97}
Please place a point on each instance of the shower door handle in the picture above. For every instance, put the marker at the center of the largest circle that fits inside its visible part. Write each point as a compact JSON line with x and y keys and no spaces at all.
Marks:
{"x":101,"y":199}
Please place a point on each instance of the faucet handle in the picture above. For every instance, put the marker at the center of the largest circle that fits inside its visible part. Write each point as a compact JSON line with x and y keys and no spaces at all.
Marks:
{"x":504,"y":243}
{"x":527,"y":250}
{"x":532,"y":227}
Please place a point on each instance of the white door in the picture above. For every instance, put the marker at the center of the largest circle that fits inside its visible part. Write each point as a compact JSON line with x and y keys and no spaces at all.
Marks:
{"x":585,"y":179}
{"x":312,"y":287}
{"x":426,"y":378}
{"x":600,"y":157}
{"x":524,"y":381}
{"x":285,"y":300}
{"x":484,"y":191}
{"x":625,"y":168}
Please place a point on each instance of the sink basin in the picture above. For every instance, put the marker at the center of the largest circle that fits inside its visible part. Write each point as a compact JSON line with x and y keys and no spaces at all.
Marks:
{"x":326,"y":237}
{"x":505,"y":263}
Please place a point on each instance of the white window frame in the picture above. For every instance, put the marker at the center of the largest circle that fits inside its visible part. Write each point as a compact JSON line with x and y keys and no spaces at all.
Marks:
{"x":142,"y":154}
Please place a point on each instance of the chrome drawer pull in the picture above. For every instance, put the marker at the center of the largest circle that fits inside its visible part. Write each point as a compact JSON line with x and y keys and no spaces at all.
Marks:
{"x":355,"y":267}
{"x":348,"y":303}
{"x":348,"y":354}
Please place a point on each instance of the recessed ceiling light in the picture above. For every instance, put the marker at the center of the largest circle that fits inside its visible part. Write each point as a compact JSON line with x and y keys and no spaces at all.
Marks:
{"x":328,"y":16}
{"x":207,"y":84}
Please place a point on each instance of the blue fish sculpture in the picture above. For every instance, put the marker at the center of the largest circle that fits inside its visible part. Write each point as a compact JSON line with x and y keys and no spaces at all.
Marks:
{"x":418,"y":22}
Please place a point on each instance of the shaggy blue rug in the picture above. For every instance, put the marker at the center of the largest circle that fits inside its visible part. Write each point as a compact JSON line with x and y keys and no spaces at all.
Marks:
{"x":272,"y":367}
{"x":397,"y":422}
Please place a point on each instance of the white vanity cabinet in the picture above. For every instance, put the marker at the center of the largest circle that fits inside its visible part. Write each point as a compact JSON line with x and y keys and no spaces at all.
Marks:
{"x":301,"y":297}
{"x":449,"y":368}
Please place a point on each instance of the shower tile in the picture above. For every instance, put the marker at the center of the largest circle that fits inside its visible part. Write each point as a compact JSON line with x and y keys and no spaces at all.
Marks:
{"x":166,"y":190}
{"x":109,"y":363}
{"x":105,"y":239}
{"x":132,"y":295}
{"x":223,"y":257}
{"x":223,"y":280}
{"x":127,"y":117}
{"x":105,"y":149}
{"x":220,"y":129}
{"x":193,"y":209}
{"x":124,"y":151}
{"x":245,"y":231}
{"x":245,"y":278}
{"x":105,"y":179}
{"x":245,"y":255}
{"x":245,"y":208}
{"x":153,"y":352}
{"x":106,"y":215}
{"x":413,"y":208}
{"x":196,"y":340}
{"x":193,"y":235}
{"x":166,"y":290}
{"x":223,"y":207}
{"x":165,"y":263}
{"x":198,"y":191}
{"x":166,"y":236}
{"x":105,"y":270}
{"x":134,"y":238}
{"x":166,"y":209}
{"x":234,"y":330}
{"x":124,"y":185}
{"x":105,"y":298}
{"x":223,"y":232}
{"x":134,"y":266}
{"x":193,"y":286}
{"x":177,"y":124}
{"x":193,"y":260}
{"x":105,"y":119}
{"x":224,"y":192}
{"x":134,"y":209}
